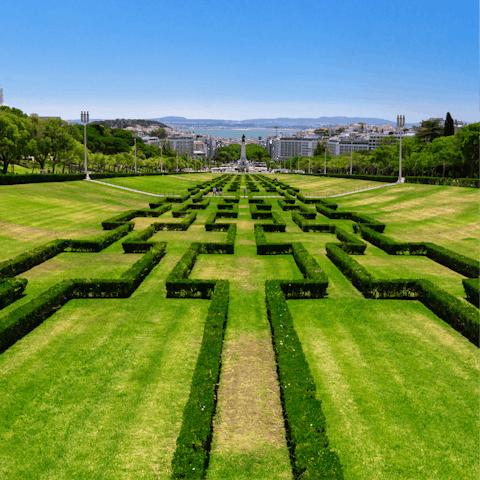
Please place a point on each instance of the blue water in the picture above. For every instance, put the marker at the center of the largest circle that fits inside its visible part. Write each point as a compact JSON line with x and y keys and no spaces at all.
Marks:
{"x":236,"y":133}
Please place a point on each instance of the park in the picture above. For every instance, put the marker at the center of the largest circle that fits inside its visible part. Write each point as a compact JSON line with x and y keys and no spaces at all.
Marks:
{"x":301,"y":328}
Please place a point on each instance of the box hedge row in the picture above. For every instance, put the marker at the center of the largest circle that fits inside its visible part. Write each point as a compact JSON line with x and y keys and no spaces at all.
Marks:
{"x":24,"y":319}
{"x":472,"y":289}
{"x":191,"y":456}
{"x":310,"y":452}
{"x":11,"y":289}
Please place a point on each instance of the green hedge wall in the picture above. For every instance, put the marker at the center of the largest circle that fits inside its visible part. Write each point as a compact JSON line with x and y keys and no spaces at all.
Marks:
{"x":98,"y":243}
{"x":459,"y":263}
{"x":28,"y":260}
{"x":24,"y":319}
{"x":392,"y":247}
{"x":191,"y":456}
{"x":180,"y":226}
{"x":11,"y":289}
{"x":264,"y":248}
{"x":311,"y":455}
{"x":472,"y":289}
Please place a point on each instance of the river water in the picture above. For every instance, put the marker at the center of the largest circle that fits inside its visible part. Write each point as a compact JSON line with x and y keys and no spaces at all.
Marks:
{"x":237,"y":133}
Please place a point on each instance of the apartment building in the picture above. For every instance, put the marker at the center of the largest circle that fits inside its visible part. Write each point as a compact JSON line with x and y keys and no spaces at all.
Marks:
{"x":284,"y":147}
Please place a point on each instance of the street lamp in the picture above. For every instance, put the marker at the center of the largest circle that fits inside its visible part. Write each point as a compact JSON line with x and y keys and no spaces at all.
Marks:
{"x":177,"y":160}
{"x":85,"y":117}
{"x":161,"y":158}
{"x":135,"y":148}
{"x":325,"y":164}
{"x":351,"y":136}
{"x":400,"y":125}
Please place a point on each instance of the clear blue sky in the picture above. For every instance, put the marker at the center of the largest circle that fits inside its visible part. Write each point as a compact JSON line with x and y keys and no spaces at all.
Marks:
{"x":241,"y":59}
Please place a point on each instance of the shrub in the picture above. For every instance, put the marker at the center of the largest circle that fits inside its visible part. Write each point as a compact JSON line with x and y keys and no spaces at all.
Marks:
{"x":459,"y":263}
{"x":306,"y":226}
{"x":310,"y":452}
{"x":392,"y":247}
{"x":98,"y":243}
{"x":472,"y":289}
{"x":28,"y":260}
{"x":264,"y":248}
{"x":180,"y":226}
{"x":11,"y":289}
{"x":190,"y":459}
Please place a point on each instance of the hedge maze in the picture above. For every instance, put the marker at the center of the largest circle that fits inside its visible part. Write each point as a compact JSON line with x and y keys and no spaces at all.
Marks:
{"x":275,"y":215}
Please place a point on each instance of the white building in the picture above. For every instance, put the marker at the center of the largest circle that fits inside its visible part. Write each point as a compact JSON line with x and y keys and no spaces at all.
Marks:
{"x":283,"y":147}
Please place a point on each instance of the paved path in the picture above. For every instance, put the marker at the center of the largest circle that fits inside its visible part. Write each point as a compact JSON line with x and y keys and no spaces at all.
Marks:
{"x":357,"y":191}
{"x":130,"y":189}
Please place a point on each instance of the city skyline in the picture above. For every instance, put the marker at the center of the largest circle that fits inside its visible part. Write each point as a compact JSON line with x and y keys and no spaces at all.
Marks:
{"x":240,"y":60}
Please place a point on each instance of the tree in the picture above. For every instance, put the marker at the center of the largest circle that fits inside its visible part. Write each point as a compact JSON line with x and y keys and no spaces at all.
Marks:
{"x":448,"y":129}
{"x":15,"y":137}
{"x":429,"y":130}
{"x":468,"y":138}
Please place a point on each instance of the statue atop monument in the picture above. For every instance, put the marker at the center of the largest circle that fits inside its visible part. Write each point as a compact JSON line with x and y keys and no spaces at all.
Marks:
{"x":243,"y":138}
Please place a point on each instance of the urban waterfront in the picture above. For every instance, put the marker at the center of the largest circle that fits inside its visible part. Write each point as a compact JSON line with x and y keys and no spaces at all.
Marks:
{"x":237,"y":133}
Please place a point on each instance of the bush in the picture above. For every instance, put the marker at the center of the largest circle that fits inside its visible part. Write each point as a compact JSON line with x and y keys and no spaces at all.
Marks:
{"x":472,"y":289}
{"x":25,"y":318}
{"x":191,"y":456}
{"x":461,"y":264}
{"x":306,"y":226}
{"x":310,"y":452}
{"x":28,"y":260}
{"x":264,"y":248}
{"x":456,"y":182}
{"x":350,"y":243}
{"x":181,"y":226}
{"x":392,"y":247}
{"x":98,"y":243}
{"x":11,"y":289}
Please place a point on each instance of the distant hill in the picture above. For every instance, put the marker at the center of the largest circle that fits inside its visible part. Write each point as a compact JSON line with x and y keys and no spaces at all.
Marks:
{"x":124,"y":123}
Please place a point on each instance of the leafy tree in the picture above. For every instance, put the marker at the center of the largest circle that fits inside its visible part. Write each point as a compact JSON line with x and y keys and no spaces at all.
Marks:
{"x":429,"y":130}
{"x":448,"y":129}
{"x":468,"y":137}
{"x":15,"y":137}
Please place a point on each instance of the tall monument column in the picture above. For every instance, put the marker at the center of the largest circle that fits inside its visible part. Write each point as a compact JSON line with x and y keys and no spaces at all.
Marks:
{"x":242,"y":162}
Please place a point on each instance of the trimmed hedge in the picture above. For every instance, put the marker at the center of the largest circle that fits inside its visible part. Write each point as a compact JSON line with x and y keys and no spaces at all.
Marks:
{"x":25,"y":318}
{"x":350,"y":243}
{"x":454,"y":261}
{"x":98,"y":243}
{"x":264,"y":248}
{"x":259,"y":214}
{"x":180,"y":226}
{"x":227,"y":247}
{"x":456,"y":182}
{"x":28,"y":260}
{"x":392,"y":247}
{"x":462,"y":316}
{"x":11,"y":289}
{"x":191,"y":456}
{"x":278,"y":224}
{"x":472,"y":289}
{"x":310,"y":452}
{"x":372,"y":178}
{"x":137,"y":243}
{"x":306,"y":226}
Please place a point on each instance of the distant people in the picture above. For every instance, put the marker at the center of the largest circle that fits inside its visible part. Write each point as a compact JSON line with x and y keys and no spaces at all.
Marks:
{"x":244,"y":192}
{"x":214,"y":191}
{"x":220,"y":191}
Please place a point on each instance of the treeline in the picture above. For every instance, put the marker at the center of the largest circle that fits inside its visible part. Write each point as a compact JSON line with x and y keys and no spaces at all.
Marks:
{"x":55,"y":145}
{"x":433,"y":152}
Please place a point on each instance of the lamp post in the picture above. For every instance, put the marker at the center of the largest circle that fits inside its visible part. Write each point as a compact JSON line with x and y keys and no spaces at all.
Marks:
{"x":177,"y":160}
{"x":400,"y":125}
{"x":352,"y":136}
{"x":85,"y":117}
{"x":135,"y":148}
{"x":325,"y":164}
{"x":161,"y":158}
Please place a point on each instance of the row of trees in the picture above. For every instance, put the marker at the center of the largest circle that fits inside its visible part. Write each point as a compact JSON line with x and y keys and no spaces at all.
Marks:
{"x":232,"y":152}
{"x":49,"y":143}
{"x":434,"y":151}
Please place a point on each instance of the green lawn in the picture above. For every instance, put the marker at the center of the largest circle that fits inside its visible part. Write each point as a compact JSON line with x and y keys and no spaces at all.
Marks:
{"x":98,"y":390}
{"x":399,"y":388}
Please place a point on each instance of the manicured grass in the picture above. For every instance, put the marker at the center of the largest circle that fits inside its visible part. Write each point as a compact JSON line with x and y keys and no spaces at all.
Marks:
{"x":399,"y":388}
{"x":34,"y":214}
{"x":98,"y":390}
{"x":448,"y":216}
{"x":162,"y":184}
{"x":325,"y":186}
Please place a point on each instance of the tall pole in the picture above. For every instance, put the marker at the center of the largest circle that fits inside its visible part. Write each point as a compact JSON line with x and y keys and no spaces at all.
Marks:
{"x":177,"y":160}
{"x":352,"y":135}
{"x":325,"y":164}
{"x":85,"y":117}
{"x":161,"y":159}
{"x":135,"y":145}
{"x":400,"y":125}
